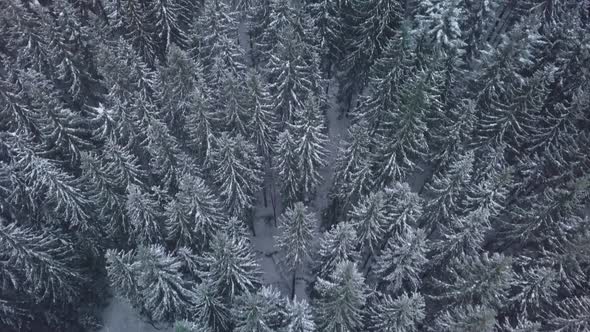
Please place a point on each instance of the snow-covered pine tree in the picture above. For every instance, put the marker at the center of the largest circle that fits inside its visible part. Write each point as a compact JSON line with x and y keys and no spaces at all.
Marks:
{"x":300,"y":317}
{"x":169,"y":19}
{"x":260,"y":127}
{"x":37,"y":108}
{"x":69,"y":53}
{"x":463,"y":237}
{"x":371,"y":24}
{"x":404,"y":313}
{"x":293,"y":75}
{"x":286,"y":167}
{"x":454,"y":130}
{"x":401,"y":264}
{"x":341,"y":301}
{"x":404,"y":144}
{"x":194,"y":215}
{"x":268,"y":21}
{"x":214,"y":36}
{"x":405,"y":209}
{"x":440,"y":22}
{"x":327,"y":20}
{"x":131,"y":17}
{"x":466,"y":318}
{"x":490,"y":192}
{"x":386,"y":77}
{"x":202,"y":123}
{"x":235,"y":229}
{"x":263,"y":311}
{"x":209,"y":308}
{"x":105,"y":192}
{"x":536,"y":287}
{"x":353,"y":176}
{"x":164,"y":294}
{"x":297,"y":228}
{"x":547,"y":219}
{"x":167,"y":162}
{"x":483,"y":279}
{"x":446,"y":191}
{"x":179,"y":80}
{"x":123,"y":165}
{"x":236,"y":169}
{"x":145,"y":216}
{"x":496,"y":85}
{"x":58,"y":196}
{"x":570,"y":314}
{"x":40,"y":269}
{"x":230,"y":267}
{"x":336,"y":245}
{"x":150,"y":278}
{"x":310,"y":148}
{"x":370,"y":217}
{"x":233,"y":104}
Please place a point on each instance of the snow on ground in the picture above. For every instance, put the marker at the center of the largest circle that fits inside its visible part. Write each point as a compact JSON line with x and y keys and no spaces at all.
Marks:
{"x":119,"y":316}
{"x":263,"y":243}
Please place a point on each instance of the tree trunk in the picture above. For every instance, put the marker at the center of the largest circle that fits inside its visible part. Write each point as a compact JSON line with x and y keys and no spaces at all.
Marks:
{"x":293,"y":284}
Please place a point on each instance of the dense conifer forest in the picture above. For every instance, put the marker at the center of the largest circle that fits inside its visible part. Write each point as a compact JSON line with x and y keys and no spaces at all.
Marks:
{"x":295,"y":165}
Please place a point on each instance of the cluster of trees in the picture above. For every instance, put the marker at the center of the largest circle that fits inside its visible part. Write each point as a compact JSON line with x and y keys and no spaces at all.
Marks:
{"x":137,"y":138}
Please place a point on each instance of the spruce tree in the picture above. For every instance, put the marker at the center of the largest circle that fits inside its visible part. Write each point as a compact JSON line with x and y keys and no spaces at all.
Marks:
{"x":401,"y":264}
{"x":570,"y":314}
{"x":463,"y":237}
{"x":370,"y":217}
{"x":293,"y":76}
{"x":446,"y":190}
{"x":310,"y":149}
{"x":236,"y":170}
{"x":145,"y":216}
{"x":264,"y":311}
{"x":466,"y":318}
{"x":210,"y":309}
{"x":286,"y":167}
{"x":341,"y":301}
{"x":260,"y":126}
{"x":300,"y":316}
{"x":195,"y":215}
{"x":230,"y":267}
{"x":479,"y":279}
{"x":297,"y":227}
{"x":401,"y":314}
{"x":336,"y":245}
{"x":353,"y":176}
{"x":404,"y":146}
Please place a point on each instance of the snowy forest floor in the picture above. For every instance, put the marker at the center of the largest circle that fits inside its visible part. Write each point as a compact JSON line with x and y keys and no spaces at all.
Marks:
{"x":119,"y":316}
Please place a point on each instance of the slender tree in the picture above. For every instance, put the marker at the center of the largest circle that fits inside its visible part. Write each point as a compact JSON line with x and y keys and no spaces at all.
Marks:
{"x":297,"y":229}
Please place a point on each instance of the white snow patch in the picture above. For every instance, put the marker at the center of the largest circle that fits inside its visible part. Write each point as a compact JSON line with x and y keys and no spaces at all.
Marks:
{"x":119,"y":316}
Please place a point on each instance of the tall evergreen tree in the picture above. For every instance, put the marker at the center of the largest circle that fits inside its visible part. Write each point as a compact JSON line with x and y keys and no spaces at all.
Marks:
{"x":401,"y":264}
{"x":230,"y":267}
{"x":484,"y":279}
{"x":446,"y":191}
{"x":336,"y":245}
{"x":145,"y":216}
{"x":301,"y":319}
{"x":467,"y":318}
{"x":404,"y":146}
{"x":342,"y":300}
{"x":297,"y":227}
{"x":402,"y":314}
{"x":310,"y":149}
{"x":353,"y":176}
{"x":210,"y":309}
{"x":235,"y":167}
{"x":195,"y":215}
